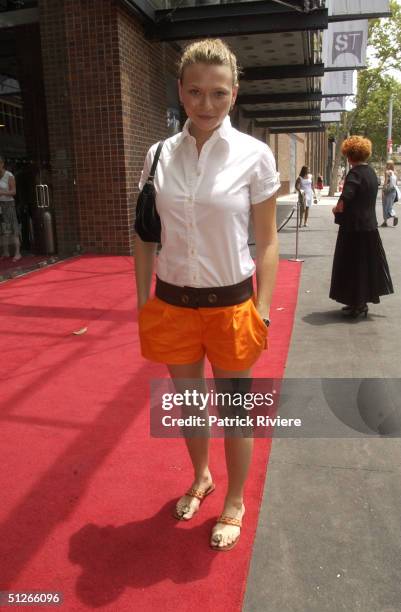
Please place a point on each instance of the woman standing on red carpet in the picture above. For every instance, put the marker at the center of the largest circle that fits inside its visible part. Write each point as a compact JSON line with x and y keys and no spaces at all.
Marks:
{"x":209,"y":179}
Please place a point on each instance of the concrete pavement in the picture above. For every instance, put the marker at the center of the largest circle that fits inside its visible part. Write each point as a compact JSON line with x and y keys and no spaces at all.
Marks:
{"x":329,"y":532}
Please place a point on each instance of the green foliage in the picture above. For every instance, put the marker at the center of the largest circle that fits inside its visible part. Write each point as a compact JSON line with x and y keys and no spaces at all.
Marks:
{"x":385,"y":38}
{"x":371,"y":113}
{"x":375,"y":84}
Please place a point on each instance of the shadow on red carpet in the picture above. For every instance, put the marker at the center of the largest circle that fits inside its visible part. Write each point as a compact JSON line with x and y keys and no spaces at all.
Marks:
{"x":87,"y":494}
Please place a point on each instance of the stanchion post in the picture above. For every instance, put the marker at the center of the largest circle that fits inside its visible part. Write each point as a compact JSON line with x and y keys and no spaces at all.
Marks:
{"x":296,"y":258}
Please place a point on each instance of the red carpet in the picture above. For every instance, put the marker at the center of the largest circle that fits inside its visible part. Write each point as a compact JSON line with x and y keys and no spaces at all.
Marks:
{"x":86,"y":494}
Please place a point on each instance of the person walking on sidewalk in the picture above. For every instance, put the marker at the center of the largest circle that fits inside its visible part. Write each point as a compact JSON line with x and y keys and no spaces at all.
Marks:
{"x":360,"y":271}
{"x":319,"y":186}
{"x":209,"y":179}
{"x":389,"y":194}
{"x":304,"y":186}
{"x":9,"y":226}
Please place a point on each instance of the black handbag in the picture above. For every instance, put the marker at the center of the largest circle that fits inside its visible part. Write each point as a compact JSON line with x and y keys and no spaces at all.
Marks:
{"x":147,"y":220}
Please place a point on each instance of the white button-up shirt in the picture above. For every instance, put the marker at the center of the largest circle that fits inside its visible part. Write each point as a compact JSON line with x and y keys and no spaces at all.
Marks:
{"x":204,"y":204}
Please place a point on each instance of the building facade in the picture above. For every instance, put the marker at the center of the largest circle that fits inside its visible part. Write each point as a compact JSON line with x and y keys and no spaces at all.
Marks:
{"x":85,"y":92}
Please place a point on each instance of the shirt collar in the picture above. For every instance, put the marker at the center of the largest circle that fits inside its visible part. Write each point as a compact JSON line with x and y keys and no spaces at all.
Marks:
{"x":223,"y":131}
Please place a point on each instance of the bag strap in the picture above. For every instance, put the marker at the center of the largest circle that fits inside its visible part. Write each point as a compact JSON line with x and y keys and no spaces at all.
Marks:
{"x":155,"y":160}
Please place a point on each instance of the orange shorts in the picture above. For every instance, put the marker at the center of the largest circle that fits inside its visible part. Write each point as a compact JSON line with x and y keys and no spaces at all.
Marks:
{"x":232,"y":337}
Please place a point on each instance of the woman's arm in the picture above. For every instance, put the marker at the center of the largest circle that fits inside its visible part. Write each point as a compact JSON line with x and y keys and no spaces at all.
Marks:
{"x":298,"y":184}
{"x":265,"y":231}
{"x":145,"y":253}
{"x":313,"y":186}
{"x":11,"y":188}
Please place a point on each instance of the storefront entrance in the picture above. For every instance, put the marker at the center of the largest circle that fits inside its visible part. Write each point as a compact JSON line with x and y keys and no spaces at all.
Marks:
{"x":24,"y":137}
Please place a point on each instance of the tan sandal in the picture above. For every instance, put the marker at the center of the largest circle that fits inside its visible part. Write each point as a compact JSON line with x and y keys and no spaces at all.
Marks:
{"x":226,"y":520}
{"x":199,"y":494}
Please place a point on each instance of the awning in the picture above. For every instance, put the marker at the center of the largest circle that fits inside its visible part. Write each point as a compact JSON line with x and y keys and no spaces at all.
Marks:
{"x":277,"y":43}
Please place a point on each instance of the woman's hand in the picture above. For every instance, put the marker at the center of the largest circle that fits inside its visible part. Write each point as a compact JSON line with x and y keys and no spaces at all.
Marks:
{"x":339,"y":207}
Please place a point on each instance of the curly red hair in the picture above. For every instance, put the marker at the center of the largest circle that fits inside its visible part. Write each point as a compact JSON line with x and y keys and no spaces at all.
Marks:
{"x":357,"y":148}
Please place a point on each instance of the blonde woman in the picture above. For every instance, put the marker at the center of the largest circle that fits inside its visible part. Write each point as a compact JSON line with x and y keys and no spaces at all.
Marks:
{"x":210,"y":178}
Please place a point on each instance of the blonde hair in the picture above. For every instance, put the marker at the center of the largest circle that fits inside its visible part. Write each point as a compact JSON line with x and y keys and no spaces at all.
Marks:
{"x":357,"y":148}
{"x":209,"y":51}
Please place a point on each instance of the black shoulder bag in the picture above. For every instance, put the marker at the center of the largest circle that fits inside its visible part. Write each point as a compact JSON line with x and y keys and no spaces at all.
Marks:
{"x":147,"y":220}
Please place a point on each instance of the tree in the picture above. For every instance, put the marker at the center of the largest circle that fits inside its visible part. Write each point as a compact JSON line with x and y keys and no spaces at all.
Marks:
{"x":385,"y":39}
{"x":372,"y":102}
{"x":339,"y":132}
{"x":375,"y":85}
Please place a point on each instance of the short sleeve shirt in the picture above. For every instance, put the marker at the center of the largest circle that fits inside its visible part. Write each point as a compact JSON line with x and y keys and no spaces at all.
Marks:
{"x":4,"y":185}
{"x":204,"y":203}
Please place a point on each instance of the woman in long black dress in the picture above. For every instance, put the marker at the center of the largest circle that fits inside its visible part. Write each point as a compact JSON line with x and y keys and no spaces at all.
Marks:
{"x":360,"y":270}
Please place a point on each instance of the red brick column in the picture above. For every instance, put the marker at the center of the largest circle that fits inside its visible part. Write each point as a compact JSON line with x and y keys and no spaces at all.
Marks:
{"x":106,"y":99}
{"x":144,"y":68}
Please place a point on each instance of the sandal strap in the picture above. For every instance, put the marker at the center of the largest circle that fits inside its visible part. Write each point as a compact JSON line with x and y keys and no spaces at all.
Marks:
{"x":229,"y":520}
{"x":198,"y":493}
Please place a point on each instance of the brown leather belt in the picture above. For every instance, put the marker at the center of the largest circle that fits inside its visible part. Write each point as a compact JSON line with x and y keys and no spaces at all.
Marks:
{"x":204,"y":297}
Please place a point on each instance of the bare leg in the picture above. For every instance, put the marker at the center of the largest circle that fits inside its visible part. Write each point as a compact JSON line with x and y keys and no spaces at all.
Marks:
{"x":198,"y":447}
{"x":238,"y":453}
{"x":17,"y":254}
{"x":301,"y":214}
{"x":306,"y":215}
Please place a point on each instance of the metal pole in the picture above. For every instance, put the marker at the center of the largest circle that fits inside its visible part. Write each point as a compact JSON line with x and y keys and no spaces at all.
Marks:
{"x":297,"y":238}
{"x":390,"y":129}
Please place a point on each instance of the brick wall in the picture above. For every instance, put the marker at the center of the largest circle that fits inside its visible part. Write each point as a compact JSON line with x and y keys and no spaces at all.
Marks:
{"x":283,"y":163}
{"x":144,"y":67}
{"x":300,"y":153}
{"x":93,"y":60}
{"x":106,"y":101}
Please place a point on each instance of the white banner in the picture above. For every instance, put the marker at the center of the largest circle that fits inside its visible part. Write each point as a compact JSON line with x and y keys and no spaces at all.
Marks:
{"x":344,"y":44}
{"x":330,"y":118}
{"x":333,"y":104}
{"x":358,"y":7}
{"x":338,"y":83}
